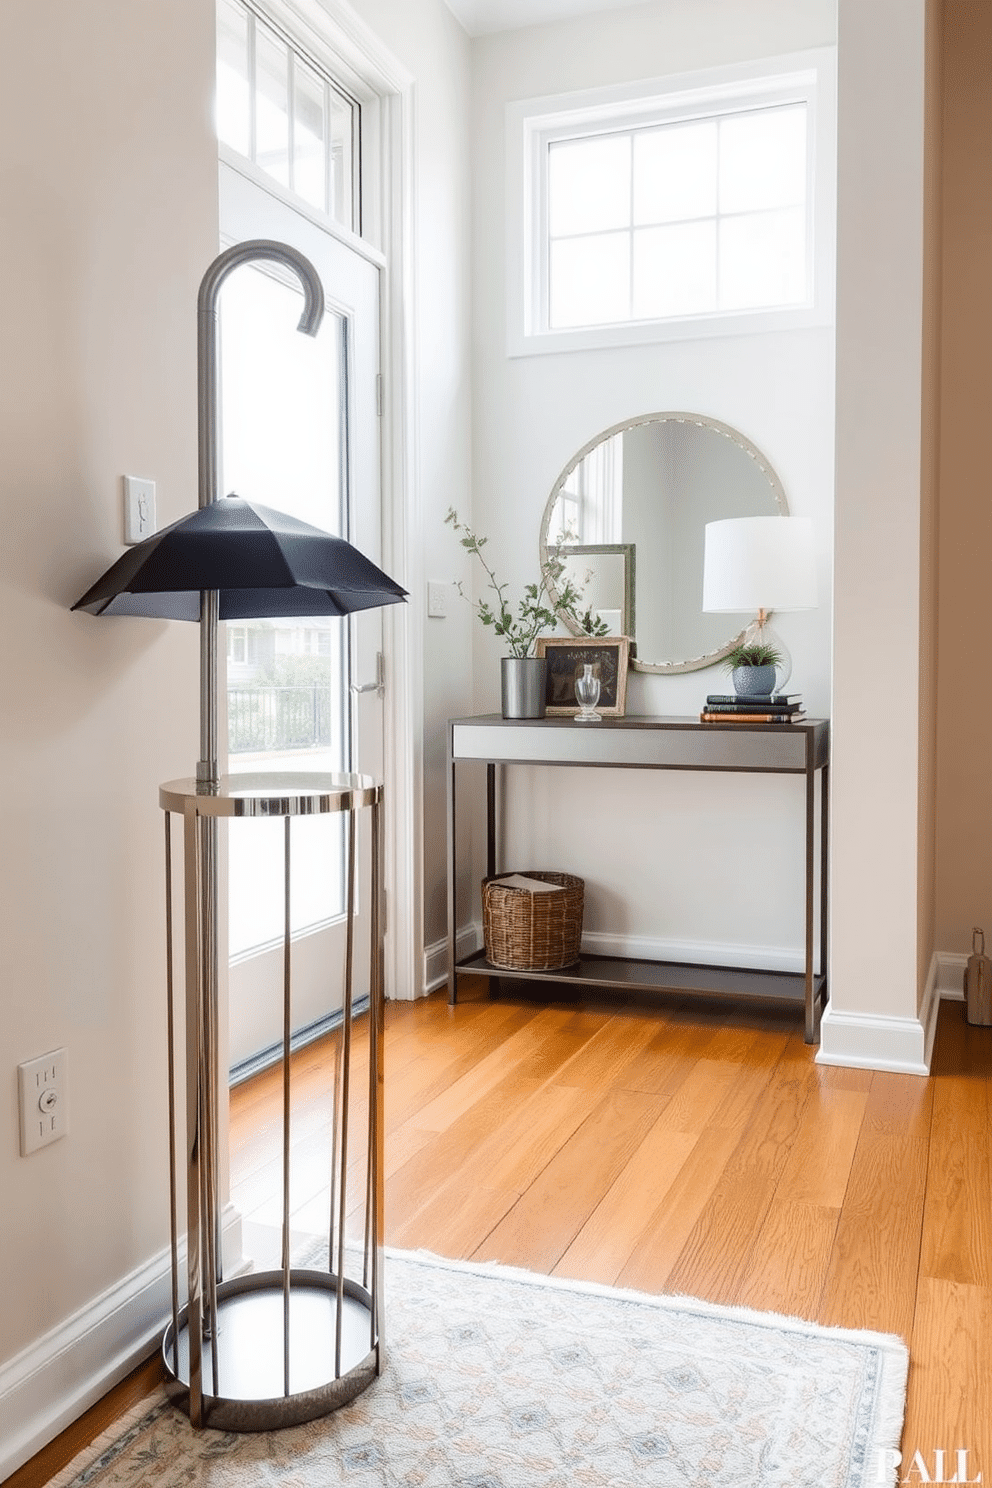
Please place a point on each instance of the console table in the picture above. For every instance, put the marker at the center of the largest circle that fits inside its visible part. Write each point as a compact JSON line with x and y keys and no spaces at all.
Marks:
{"x":655,"y":744}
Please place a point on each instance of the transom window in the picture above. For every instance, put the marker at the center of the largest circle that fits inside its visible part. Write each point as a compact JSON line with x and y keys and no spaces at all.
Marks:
{"x":279,"y":109}
{"x":680,"y":219}
{"x":645,"y":215}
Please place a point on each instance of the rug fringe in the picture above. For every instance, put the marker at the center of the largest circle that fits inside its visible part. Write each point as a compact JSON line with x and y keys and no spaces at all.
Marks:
{"x":661,"y":1300}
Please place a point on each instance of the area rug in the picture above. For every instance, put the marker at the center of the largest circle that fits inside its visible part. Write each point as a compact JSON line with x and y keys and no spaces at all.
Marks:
{"x":498,"y":1378}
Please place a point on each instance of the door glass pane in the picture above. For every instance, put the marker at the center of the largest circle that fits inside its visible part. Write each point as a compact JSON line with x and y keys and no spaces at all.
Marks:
{"x":282,"y":412}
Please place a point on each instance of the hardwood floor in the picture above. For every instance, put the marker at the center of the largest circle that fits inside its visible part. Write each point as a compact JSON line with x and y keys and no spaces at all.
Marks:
{"x":689,"y":1149}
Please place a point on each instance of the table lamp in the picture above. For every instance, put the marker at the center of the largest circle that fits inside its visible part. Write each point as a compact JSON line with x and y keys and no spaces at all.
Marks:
{"x":754,"y":565}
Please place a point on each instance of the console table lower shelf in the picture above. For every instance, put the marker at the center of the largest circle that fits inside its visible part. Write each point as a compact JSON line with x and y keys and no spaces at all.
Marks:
{"x":625,"y":975}
{"x":640,"y":743}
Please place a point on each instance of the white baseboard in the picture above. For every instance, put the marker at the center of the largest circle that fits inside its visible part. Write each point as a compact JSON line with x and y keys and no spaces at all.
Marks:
{"x":870,"y":1041}
{"x":467,"y":942}
{"x":50,"y":1383}
{"x":694,"y":952}
{"x":950,"y":975}
{"x":636,"y":947}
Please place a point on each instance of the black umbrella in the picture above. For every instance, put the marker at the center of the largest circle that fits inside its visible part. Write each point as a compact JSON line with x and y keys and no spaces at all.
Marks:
{"x":261,"y":562}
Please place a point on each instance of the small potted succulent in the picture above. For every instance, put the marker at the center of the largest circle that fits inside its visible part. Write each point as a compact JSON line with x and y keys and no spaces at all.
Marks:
{"x":521,"y":674}
{"x":753,"y":664}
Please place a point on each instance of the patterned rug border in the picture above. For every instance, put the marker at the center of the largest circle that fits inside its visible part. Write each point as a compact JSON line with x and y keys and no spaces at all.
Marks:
{"x":892,"y":1349}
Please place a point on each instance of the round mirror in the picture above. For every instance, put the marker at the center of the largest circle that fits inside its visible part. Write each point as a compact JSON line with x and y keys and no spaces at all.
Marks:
{"x":625,"y":522}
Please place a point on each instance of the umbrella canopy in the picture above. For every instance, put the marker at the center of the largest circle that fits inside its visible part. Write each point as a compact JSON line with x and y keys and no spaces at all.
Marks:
{"x":261,"y":562}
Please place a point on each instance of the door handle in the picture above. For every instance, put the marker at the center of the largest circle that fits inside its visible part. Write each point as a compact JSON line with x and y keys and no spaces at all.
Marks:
{"x":379,"y":685}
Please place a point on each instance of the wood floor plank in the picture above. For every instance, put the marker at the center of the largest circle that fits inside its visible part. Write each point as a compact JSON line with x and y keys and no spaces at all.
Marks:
{"x":633,"y":1204}
{"x":538,"y":1034}
{"x":789,"y":1260}
{"x":949,"y":1400}
{"x":450,"y":1223}
{"x":871,"y":1281}
{"x":657,"y":1249}
{"x":957,"y":1217}
{"x":898,"y":1105}
{"x":413,"y":1184}
{"x":822,"y":1154}
{"x":545,"y":1220}
{"x":601,"y":1062}
{"x":464,"y":1044}
{"x":520,"y":1147}
{"x":704,"y":1089}
{"x":716,"y":1254}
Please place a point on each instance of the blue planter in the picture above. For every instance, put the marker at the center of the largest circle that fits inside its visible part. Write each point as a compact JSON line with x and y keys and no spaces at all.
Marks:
{"x":754,"y":681}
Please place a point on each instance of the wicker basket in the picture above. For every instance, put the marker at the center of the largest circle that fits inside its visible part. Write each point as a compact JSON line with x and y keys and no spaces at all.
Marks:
{"x":533,"y":931}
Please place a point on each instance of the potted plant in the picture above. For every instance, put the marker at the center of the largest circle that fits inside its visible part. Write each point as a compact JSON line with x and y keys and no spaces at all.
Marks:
{"x":753,"y":664}
{"x":521,"y":674}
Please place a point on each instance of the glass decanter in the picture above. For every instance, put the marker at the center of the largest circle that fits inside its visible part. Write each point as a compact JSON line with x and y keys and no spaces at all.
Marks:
{"x":587,"y":695}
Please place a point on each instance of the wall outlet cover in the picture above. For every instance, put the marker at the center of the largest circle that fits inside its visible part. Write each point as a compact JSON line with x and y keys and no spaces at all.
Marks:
{"x":42,"y":1089}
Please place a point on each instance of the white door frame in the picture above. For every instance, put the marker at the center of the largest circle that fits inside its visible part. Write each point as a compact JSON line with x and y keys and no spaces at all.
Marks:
{"x":332,"y":30}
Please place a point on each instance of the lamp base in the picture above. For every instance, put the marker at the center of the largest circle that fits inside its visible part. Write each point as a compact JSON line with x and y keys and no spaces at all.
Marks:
{"x":761,"y":633}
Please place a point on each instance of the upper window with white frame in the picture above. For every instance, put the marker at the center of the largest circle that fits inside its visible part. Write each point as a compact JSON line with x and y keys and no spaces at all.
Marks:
{"x":686,"y":209}
{"x":281,"y":110}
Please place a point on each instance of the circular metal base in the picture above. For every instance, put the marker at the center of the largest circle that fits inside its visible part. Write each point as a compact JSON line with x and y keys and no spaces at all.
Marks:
{"x":251,"y":1352}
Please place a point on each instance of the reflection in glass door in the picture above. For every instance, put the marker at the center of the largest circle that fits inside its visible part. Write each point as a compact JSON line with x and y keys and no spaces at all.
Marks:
{"x":284,"y":443}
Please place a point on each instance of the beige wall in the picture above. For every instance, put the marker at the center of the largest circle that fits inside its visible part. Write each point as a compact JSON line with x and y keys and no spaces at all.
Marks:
{"x":108,"y":178}
{"x":880,"y":538}
{"x":108,"y":181}
{"x":964,"y":776}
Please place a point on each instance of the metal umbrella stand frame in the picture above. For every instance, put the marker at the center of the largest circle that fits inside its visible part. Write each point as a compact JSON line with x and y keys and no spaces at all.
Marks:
{"x":276,"y":1348}
{"x":269,"y":1349}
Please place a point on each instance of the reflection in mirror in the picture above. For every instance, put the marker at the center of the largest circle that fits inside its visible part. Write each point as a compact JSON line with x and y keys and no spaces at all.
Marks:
{"x":604,"y":575}
{"x":650,"y":485}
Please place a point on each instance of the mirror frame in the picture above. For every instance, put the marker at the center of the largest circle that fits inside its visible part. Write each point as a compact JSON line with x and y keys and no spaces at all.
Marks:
{"x":694,"y":663}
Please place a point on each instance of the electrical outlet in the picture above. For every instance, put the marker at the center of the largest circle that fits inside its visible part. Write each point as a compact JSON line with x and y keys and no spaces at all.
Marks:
{"x":43,"y":1089}
{"x":139,"y":509}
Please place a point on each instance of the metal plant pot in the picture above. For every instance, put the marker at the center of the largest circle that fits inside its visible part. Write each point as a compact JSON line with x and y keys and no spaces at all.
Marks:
{"x":522,"y":686}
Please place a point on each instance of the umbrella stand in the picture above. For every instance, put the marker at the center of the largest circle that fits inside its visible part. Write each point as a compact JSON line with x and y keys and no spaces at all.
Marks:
{"x":227,"y":560}
{"x":218,"y":1351}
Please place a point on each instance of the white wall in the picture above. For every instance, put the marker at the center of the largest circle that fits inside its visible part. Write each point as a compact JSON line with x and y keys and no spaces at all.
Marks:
{"x":716,"y":867}
{"x":882,"y":834}
{"x":109,"y":188}
{"x":427,"y":40}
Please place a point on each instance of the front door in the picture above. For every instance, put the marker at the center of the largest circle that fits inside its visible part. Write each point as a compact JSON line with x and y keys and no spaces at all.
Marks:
{"x":300,"y":433}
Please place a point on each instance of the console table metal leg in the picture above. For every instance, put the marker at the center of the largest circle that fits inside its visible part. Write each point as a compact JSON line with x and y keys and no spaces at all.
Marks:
{"x":452,"y":879}
{"x":824,"y":878}
{"x":810,"y":998}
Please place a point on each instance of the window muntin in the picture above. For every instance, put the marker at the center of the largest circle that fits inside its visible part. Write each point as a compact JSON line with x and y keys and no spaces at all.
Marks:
{"x":678,"y":219}
{"x":279,"y":109}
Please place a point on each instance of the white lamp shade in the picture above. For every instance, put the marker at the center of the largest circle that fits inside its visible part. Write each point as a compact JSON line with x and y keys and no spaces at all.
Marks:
{"x":759,"y":563}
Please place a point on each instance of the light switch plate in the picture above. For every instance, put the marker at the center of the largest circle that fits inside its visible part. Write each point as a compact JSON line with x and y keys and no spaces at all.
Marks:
{"x":139,"y":508}
{"x":437,"y":600}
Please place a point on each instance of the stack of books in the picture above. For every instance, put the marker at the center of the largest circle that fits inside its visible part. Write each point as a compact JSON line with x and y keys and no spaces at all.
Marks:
{"x":779,"y":707}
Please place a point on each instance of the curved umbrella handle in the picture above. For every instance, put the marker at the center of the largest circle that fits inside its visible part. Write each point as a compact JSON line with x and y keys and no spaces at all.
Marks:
{"x":253,"y":250}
